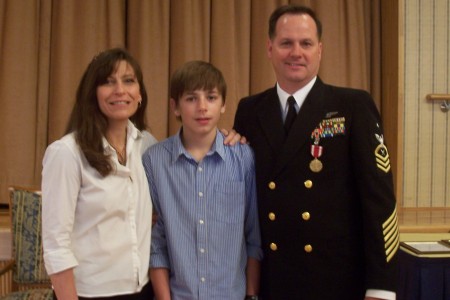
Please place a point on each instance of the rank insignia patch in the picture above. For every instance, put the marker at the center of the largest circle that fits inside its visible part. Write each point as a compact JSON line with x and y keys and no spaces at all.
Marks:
{"x":382,"y":155}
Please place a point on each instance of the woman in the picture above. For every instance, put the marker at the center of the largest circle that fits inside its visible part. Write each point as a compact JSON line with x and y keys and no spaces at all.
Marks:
{"x":96,"y":213}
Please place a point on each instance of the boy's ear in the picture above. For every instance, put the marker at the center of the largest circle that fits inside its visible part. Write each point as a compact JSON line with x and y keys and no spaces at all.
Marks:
{"x":174,"y":108}
{"x":222,"y":109}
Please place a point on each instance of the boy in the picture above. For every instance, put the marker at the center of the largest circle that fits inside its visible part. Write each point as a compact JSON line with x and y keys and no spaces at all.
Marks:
{"x":206,"y":241}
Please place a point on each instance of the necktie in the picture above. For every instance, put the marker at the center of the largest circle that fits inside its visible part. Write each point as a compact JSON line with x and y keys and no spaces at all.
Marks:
{"x":291,"y":114}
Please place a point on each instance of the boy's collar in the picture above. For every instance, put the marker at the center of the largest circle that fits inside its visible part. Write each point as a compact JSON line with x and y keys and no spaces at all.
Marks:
{"x":216,"y":147}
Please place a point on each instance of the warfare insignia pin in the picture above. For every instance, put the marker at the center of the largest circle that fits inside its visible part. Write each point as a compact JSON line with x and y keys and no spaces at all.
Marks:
{"x":331,"y":114}
{"x":382,"y":155}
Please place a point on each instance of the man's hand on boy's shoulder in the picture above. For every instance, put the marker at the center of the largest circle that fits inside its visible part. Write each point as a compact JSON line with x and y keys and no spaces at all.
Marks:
{"x":232,"y":137}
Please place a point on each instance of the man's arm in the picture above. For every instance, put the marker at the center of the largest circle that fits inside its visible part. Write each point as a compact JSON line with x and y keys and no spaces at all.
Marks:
{"x":232,"y":137}
{"x":160,"y":282}
{"x":376,"y":191}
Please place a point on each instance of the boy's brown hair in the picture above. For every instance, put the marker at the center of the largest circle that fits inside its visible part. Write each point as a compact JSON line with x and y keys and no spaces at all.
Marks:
{"x":196,"y":75}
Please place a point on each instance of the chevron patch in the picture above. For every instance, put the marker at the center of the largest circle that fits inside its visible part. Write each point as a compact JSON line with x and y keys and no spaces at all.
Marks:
{"x":391,"y":235}
{"x":382,"y":155}
{"x":382,"y":158}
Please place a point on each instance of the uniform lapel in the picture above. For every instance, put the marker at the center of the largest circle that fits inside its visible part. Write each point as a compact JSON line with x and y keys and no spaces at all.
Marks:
{"x":269,"y":117}
{"x":309,"y":116}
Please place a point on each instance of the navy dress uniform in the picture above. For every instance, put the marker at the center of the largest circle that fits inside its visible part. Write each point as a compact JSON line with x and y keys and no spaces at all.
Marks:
{"x":325,"y":195}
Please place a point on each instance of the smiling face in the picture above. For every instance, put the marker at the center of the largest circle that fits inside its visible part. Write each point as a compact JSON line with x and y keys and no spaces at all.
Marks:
{"x":119,"y":97}
{"x":295,"y":51}
{"x":199,"y":112}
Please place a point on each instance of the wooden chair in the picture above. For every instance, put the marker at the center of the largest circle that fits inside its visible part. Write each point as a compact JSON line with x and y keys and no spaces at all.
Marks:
{"x":29,"y":278}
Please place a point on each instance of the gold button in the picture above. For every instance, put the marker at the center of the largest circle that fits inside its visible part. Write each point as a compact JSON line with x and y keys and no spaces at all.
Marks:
{"x":272,"y":185}
{"x":308,"y":184}
{"x":273,"y":247}
{"x":308,"y":248}
{"x":306,"y":216}
{"x":271,"y":216}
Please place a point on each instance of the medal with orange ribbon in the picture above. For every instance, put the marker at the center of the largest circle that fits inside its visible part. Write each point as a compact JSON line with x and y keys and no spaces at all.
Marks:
{"x":316,"y":151}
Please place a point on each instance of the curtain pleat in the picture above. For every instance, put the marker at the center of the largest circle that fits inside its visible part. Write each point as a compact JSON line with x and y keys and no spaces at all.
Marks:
{"x":19,"y":76}
{"x":47,"y":44}
{"x":79,"y":31}
{"x":148,"y":39}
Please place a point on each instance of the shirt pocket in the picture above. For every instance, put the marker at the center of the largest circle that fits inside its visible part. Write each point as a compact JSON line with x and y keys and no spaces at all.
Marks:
{"x":229,"y":202}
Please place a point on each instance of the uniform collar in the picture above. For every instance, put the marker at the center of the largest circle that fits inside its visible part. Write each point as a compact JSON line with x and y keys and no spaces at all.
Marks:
{"x":299,"y":95}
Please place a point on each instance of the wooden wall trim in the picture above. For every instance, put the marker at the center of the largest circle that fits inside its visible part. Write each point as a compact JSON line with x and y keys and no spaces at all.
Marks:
{"x":391,"y":80}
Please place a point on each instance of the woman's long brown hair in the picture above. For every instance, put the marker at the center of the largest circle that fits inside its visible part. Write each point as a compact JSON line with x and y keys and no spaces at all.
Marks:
{"x":87,"y":121}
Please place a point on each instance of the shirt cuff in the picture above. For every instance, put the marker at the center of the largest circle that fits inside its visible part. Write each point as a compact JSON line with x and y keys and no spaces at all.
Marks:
{"x":58,"y":261}
{"x":254,"y":252}
{"x":159,"y":261}
{"x":382,"y":294}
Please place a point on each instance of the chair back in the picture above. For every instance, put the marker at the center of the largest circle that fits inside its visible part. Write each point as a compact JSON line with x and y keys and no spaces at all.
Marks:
{"x":25,"y":208}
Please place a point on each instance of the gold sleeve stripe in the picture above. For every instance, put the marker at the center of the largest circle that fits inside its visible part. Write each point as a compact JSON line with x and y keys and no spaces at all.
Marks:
{"x":389,"y":238}
{"x":390,"y":230}
{"x":390,"y":252}
{"x":391,"y":242}
{"x":391,"y":235}
{"x":390,"y":227}
{"x":391,"y":217}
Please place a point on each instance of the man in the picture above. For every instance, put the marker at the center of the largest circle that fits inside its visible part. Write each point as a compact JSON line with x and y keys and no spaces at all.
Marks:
{"x":325,"y":192}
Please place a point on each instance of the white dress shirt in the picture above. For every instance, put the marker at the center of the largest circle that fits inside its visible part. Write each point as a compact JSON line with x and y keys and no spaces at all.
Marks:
{"x":99,"y":226}
{"x":299,"y":97}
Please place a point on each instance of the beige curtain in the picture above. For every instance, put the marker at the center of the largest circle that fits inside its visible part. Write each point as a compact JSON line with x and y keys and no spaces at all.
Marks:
{"x":45,"y":45}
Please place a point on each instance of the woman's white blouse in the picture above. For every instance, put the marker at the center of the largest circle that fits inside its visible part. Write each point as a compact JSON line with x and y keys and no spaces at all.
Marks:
{"x":99,"y":226}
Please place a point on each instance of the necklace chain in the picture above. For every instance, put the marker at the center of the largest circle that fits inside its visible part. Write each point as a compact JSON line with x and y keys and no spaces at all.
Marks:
{"x":122,"y":154}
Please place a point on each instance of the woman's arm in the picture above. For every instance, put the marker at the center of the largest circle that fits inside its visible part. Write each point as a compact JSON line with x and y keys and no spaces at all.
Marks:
{"x":64,"y":285}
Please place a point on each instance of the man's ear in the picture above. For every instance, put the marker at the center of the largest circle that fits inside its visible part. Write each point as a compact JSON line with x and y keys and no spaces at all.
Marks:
{"x":269,"y":48}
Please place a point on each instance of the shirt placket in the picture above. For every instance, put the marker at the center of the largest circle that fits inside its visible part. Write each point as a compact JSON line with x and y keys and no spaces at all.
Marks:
{"x":133,"y":230}
{"x":202,"y":240}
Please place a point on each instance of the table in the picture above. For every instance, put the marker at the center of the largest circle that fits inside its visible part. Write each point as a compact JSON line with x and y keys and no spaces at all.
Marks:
{"x":423,"y":277}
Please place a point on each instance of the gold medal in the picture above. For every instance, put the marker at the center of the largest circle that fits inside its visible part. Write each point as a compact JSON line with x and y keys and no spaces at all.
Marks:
{"x":316,"y":151}
{"x":315,"y":165}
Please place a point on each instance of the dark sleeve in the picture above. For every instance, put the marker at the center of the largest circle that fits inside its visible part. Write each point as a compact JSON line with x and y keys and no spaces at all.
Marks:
{"x":239,"y":118}
{"x":371,"y":165}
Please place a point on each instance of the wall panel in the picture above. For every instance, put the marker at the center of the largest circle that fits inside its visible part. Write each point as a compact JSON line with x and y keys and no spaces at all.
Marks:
{"x":426,"y":172}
